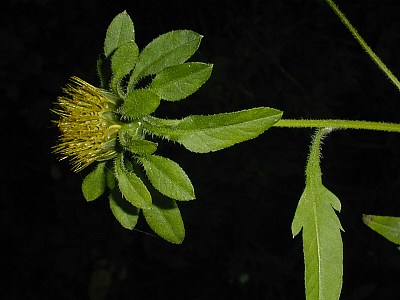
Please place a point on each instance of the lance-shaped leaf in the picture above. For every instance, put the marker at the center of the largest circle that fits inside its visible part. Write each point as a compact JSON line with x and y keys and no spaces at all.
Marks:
{"x":122,"y":62}
{"x":165,"y":219}
{"x":204,"y":134}
{"x":126,"y":214}
{"x":131,"y":186}
{"x":139,"y":103}
{"x":171,"y":48}
{"x":167,"y":177}
{"x":179,"y":81}
{"x":388,"y":227}
{"x":120,"y":31}
{"x":322,"y":242}
{"x":94,"y":184}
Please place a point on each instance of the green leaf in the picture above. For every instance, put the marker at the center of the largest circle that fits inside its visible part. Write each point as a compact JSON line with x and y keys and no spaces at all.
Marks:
{"x":204,"y":134}
{"x":131,"y":186}
{"x":388,"y":227}
{"x":120,"y":31}
{"x":165,"y":219}
{"x":168,"y":177}
{"x":94,"y":184}
{"x":322,"y":242}
{"x":122,"y":63}
{"x":141,"y":147}
{"x":171,"y":48}
{"x":110,"y":178}
{"x":139,"y":103}
{"x":126,"y":214}
{"x":179,"y":81}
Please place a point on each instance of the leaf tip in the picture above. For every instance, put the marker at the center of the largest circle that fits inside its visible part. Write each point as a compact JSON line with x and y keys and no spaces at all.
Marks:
{"x":366,"y":219}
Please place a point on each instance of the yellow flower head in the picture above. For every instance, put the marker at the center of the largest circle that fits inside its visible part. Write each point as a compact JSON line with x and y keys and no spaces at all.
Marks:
{"x":87,"y":124}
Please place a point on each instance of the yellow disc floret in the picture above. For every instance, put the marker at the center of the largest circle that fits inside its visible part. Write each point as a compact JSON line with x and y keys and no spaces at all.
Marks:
{"x":87,"y":124}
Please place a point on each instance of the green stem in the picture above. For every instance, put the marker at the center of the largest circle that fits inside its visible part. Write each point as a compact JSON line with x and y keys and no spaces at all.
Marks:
{"x":363,"y":44}
{"x":339,"y":124}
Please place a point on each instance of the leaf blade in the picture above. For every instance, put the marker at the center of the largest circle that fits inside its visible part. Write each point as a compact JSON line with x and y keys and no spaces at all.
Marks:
{"x":125,"y":213}
{"x":165,"y":219}
{"x":139,"y":103}
{"x":321,"y":229}
{"x":210,"y":133}
{"x":120,"y":31}
{"x":171,"y":48}
{"x":388,"y":227}
{"x":122,"y":63}
{"x":94,"y":184}
{"x":168,"y":177}
{"x":179,"y":81}
{"x":132,"y":187}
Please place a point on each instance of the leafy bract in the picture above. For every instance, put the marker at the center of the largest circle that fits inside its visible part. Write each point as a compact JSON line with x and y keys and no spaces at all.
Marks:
{"x":140,"y":103}
{"x":388,"y":227}
{"x":204,"y":134}
{"x":120,"y":31}
{"x":94,"y":184}
{"x":167,"y":177}
{"x":141,"y":147}
{"x":171,"y":48}
{"x":179,"y":81}
{"x":322,"y":242}
{"x":126,"y":214}
{"x":165,"y":219}
{"x":122,"y":62}
{"x":131,"y":186}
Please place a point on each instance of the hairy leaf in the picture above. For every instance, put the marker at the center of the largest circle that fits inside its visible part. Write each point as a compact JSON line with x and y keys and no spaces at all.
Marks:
{"x":131,"y":186}
{"x":139,"y":103}
{"x":388,"y":227}
{"x":165,"y":219}
{"x":126,"y":214}
{"x":168,"y":177}
{"x":171,"y":48}
{"x":120,"y":31}
{"x":122,"y":62}
{"x":94,"y":184}
{"x":204,"y":134}
{"x":322,"y":242}
{"x":179,"y":81}
{"x":141,"y":147}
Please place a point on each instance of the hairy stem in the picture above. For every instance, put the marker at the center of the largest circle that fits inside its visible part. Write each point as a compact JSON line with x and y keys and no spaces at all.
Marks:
{"x":363,"y":44}
{"x":339,"y":124}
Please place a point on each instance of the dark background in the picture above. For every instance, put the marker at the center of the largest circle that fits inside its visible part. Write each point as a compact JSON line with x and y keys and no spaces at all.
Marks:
{"x":292,"y":55}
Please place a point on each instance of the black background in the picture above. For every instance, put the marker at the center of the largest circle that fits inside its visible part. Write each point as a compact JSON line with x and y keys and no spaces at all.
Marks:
{"x":292,"y":55}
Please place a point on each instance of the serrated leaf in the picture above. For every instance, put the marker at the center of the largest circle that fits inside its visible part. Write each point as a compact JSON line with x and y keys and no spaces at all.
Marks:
{"x":139,"y":103}
{"x":94,"y":184}
{"x":122,"y":63}
{"x":204,"y":134}
{"x":388,"y":227}
{"x":132,"y":187}
{"x":120,"y":31}
{"x":168,"y":177}
{"x":322,"y":242}
{"x":179,"y":81}
{"x":171,"y":48}
{"x":125,"y":213}
{"x":164,"y":218}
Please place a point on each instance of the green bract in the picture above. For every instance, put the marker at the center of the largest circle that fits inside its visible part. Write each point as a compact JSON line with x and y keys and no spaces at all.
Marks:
{"x":139,"y":180}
